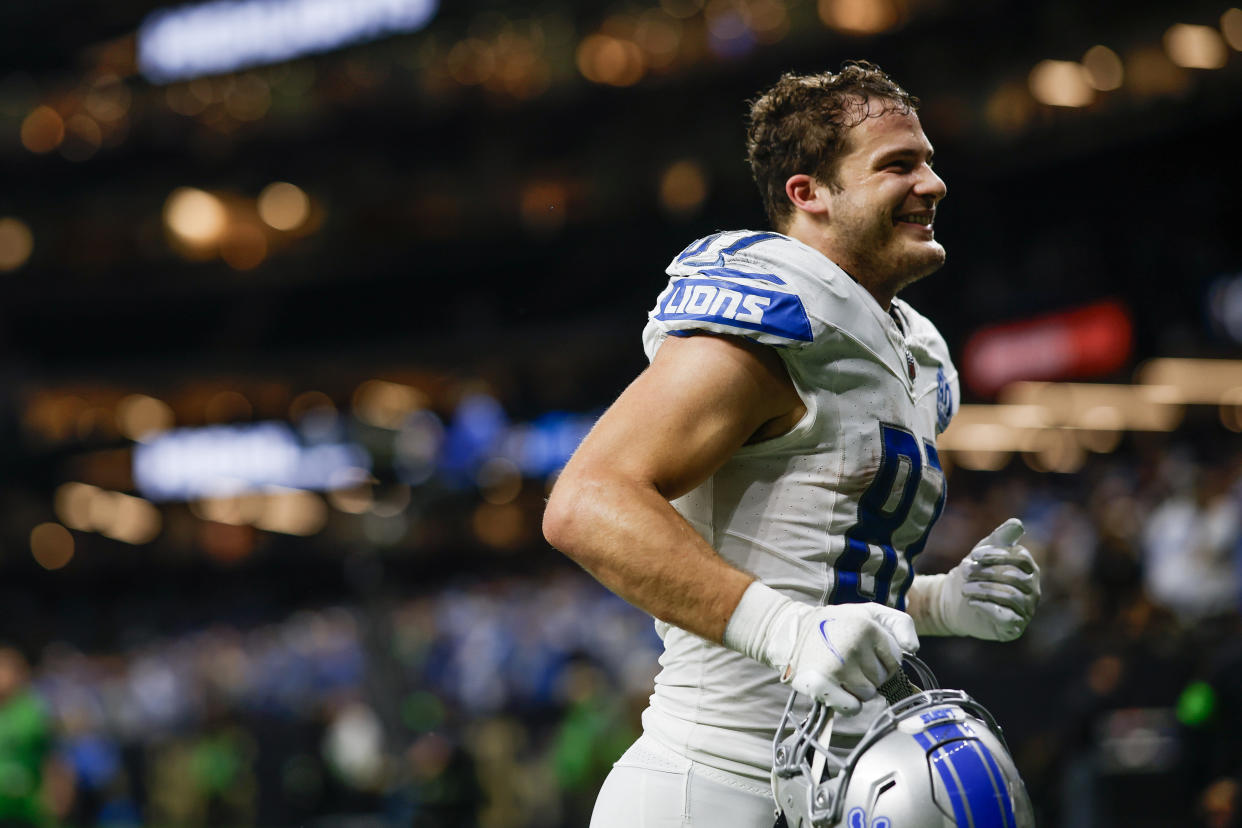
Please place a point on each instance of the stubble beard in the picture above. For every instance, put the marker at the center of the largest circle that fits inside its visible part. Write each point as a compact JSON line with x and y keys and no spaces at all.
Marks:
{"x":882,"y":262}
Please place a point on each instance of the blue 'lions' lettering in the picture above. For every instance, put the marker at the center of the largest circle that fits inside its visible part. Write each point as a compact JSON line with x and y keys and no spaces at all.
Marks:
{"x":709,"y":300}
{"x":748,"y":307}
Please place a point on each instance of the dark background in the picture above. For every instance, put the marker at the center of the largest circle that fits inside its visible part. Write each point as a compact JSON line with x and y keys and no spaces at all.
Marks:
{"x":474,"y":243}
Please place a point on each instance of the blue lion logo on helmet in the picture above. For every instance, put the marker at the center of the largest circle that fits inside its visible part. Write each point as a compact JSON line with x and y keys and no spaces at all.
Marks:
{"x":857,"y":818}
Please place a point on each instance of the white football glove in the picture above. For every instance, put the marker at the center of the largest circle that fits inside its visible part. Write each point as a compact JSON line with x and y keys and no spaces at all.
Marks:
{"x":992,"y":594}
{"x":839,"y":654}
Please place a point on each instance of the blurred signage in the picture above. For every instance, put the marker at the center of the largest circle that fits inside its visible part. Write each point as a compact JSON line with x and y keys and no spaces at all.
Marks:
{"x":481,"y":431}
{"x":1087,"y":342}
{"x":226,"y":35}
{"x":220,"y":461}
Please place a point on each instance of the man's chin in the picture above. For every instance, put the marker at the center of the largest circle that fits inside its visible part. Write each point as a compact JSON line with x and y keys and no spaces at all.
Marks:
{"x":925,"y":262}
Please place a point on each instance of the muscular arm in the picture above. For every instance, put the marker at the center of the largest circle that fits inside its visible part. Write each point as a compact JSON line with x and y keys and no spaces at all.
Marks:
{"x":702,"y":398}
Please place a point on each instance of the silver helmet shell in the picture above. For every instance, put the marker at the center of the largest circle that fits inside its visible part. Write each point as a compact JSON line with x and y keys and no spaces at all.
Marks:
{"x":932,"y":760}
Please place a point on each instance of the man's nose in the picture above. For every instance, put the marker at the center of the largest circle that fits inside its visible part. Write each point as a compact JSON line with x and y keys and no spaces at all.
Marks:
{"x":931,"y":184}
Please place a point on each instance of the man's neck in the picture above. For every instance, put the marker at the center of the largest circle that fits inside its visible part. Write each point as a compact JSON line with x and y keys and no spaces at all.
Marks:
{"x":818,"y":241}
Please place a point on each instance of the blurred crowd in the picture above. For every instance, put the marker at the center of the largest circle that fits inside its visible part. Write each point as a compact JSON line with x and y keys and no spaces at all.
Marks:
{"x":501,"y":701}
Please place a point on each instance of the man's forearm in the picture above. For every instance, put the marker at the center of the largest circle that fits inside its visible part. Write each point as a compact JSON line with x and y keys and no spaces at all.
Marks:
{"x":636,"y":544}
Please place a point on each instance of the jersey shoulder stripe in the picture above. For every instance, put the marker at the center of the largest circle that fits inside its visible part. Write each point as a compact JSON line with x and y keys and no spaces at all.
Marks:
{"x":719,"y":305}
{"x":757,"y":284}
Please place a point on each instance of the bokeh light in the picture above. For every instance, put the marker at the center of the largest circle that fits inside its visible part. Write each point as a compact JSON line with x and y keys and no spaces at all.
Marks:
{"x":683,"y":188}
{"x":610,"y":60}
{"x":283,"y":206}
{"x":1231,"y":28}
{"x":228,"y":407}
{"x":1105,"y":70}
{"x":42,"y":130}
{"x":140,"y":417}
{"x":500,"y":526}
{"x":244,"y":246}
{"x":861,"y":17}
{"x":51,"y":545}
{"x":195,"y":216}
{"x":292,"y":512}
{"x":387,"y":404}
{"x":659,"y":36}
{"x":769,"y":20}
{"x":128,"y":519}
{"x":1195,"y":47}
{"x":1061,"y":83}
{"x":16,"y":243}
{"x":72,"y":503}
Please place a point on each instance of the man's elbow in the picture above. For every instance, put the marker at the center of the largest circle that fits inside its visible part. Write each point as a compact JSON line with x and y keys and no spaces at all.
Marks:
{"x":560,"y":523}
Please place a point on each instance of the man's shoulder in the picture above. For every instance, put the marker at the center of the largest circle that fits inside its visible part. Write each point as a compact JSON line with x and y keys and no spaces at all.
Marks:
{"x":760,"y":255}
{"x":759,"y":284}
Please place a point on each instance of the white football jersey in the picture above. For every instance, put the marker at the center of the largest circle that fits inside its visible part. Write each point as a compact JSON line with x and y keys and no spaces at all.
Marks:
{"x":832,"y":512}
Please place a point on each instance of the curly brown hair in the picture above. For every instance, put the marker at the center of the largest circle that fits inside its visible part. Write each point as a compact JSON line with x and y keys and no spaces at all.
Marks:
{"x":800,"y":124}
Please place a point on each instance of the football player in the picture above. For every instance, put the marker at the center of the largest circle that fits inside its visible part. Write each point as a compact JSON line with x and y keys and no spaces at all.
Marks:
{"x":763,"y":488}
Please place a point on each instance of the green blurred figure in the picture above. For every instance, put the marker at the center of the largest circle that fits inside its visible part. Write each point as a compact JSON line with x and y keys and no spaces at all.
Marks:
{"x":25,"y":745}
{"x":597,"y":728}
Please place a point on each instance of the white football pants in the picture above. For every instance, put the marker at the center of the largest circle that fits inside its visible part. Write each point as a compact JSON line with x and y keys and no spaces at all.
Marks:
{"x":650,"y":786}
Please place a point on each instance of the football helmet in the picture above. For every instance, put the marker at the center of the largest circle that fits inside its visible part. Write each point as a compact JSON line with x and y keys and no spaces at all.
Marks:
{"x":933,"y":759}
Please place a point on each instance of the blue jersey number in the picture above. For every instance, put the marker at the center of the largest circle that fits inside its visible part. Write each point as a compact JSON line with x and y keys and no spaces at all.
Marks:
{"x":883,"y":508}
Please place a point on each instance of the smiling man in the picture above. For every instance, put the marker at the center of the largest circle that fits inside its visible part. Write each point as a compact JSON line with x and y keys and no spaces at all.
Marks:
{"x":763,"y":488}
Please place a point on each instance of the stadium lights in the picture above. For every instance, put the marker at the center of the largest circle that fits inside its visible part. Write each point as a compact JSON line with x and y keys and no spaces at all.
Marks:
{"x":1061,"y":83}
{"x":16,"y":243}
{"x":1104,"y":68}
{"x":42,"y":130}
{"x":141,"y":418}
{"x":860,"y":17}
{"x":51,"y":545}
{"x":1195,"y":47}
{"x":1203,"y":381}
{"x":1231,"y":28}
{"x":283,"y":206}
{"x":195,"y":216}
{"x":115,"y":515}
{"x":1086,"y":405}
{"x":226,"y":35}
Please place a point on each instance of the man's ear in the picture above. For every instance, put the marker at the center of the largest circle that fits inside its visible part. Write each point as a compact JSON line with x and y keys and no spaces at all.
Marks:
{"x":806,"y":194}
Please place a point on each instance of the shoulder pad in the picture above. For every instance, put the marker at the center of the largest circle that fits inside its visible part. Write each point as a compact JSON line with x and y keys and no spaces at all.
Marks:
{"x":761,"y":285}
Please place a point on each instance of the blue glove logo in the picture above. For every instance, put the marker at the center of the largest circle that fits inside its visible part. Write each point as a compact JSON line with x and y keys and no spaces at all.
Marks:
{"x":823,"y":631}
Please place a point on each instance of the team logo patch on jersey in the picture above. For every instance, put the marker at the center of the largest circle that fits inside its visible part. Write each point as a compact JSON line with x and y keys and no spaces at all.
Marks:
{"x":944,"y":401}
{"x":734,"y":305}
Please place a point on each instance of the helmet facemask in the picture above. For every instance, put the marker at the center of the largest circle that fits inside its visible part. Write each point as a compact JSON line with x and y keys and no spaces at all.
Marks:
{"x":934,"y":758}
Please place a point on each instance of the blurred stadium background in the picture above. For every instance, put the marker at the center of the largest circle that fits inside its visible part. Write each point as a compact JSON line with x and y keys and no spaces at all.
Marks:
{"x":306,"y":302}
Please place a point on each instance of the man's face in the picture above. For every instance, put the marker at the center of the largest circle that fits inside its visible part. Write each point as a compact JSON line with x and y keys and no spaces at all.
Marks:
{"x":883,"y":203}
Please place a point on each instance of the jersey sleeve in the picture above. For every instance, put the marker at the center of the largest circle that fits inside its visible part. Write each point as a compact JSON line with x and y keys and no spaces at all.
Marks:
{"x":758,"y":285}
